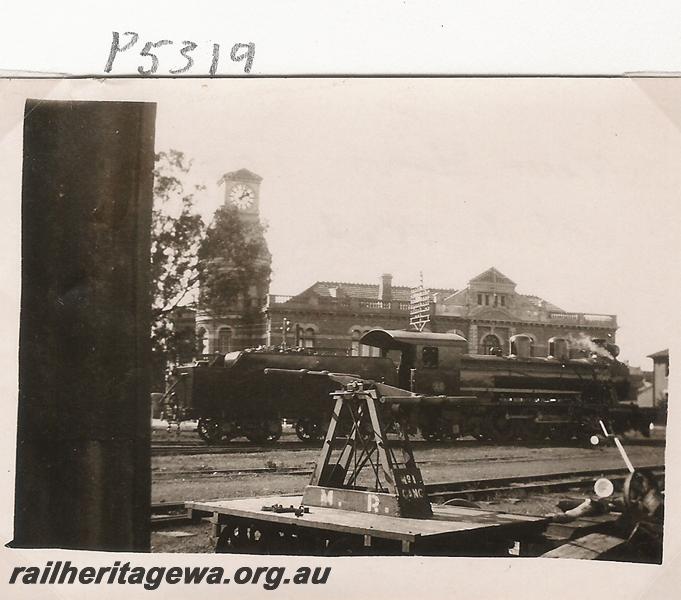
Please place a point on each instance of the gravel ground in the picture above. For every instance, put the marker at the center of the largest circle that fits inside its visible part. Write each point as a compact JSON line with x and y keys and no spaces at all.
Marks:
{"x":457,"y":461}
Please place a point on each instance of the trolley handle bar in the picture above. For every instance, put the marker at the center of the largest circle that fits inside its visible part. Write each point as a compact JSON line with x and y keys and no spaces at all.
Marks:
{"x":305,"y":372}
{"x":420,"y":399}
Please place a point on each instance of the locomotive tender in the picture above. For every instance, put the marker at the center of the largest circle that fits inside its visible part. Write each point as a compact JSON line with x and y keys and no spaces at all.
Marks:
{"x":515,"y":397}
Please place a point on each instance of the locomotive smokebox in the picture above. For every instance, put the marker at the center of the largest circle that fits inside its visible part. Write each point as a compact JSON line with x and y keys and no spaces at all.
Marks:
{"x":521,"y":346}
{"x":559,"y":349}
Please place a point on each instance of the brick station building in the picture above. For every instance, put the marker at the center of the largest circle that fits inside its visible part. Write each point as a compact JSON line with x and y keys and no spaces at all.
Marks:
{"x":331,"y":316}
{"x":660,"y":377}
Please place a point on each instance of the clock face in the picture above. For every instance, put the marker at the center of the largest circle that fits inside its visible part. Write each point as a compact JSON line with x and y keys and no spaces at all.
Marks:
{"x":242,"y":196}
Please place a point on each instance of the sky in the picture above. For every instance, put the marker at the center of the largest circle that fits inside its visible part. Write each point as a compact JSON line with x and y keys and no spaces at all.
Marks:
{"x":569,"y":186}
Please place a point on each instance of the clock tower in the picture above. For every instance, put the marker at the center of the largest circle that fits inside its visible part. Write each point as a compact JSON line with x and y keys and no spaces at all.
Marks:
{"x":242,"y":191}
{"x":243,"y":323}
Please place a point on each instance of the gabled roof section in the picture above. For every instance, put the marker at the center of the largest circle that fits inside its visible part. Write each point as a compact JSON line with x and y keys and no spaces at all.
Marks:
{"x":240,"y":175}
{"x":442,"y":295}
{"x":454,"y":294}
{"x":357,"y":290}
{"x":661,"y":354}
{"x":362,"y":291}
{"x":541,"y":303}
{"x":492,"y":275}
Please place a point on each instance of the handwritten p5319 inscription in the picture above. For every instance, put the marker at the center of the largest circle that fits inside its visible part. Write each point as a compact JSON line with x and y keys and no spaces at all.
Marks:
{"x":183,"y":59}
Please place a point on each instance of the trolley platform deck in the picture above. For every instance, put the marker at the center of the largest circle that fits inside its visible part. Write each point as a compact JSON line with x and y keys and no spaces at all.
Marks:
{"x":451,"y":525}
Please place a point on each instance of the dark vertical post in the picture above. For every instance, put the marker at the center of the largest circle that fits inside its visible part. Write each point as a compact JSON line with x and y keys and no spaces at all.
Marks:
{"x":83,"y":456}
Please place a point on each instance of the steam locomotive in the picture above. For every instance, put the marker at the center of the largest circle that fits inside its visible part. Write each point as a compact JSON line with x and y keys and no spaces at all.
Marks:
{"x":507,"y":398}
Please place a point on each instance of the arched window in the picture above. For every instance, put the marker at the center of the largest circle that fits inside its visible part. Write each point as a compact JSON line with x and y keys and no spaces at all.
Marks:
{"x":201,"y":341}
{"x":308,"y":338}
{"x":522,"y":345}
{"x":490,"y":345}
{"x":357,"y":349}
{"x":365,"y":350}
{"x":354,"y":342}
{"x":224,"y":340}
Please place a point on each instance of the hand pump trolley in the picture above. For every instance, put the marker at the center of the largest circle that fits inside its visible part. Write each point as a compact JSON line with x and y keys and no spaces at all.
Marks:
{"x":366,"y":494}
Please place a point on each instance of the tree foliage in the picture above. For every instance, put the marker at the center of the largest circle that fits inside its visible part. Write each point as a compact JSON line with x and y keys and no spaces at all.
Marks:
{"x":177,"y":232}
{"x":214,"y":270}
{"x":235,"y":265}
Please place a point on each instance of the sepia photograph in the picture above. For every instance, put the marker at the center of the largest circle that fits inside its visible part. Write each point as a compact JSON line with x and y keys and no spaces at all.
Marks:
{"x":333,"y":317}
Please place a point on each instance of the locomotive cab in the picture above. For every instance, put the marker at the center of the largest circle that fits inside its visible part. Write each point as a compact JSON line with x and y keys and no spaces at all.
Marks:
{"x":429,"y":363}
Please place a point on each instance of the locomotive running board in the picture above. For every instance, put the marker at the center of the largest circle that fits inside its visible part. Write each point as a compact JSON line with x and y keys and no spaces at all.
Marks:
{"x":520,"y":391}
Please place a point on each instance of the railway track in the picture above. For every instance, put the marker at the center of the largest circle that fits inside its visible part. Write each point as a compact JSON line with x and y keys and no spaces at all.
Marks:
{"x":550,"y":482}
{"x":190,"y":448}
{"x":163,"y":475}
{"x":158,"y":475}
{"x":175,"y":513}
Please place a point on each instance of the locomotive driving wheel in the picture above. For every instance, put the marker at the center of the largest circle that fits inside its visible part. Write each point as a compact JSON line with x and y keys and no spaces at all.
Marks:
{"x":503,"y":429}
{"x":562,"y":434}
{"x":531,"y":431}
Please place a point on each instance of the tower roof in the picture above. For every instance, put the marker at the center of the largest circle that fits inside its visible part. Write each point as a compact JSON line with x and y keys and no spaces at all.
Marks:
{"x":240,"y":175}
{"x":492,"y":275}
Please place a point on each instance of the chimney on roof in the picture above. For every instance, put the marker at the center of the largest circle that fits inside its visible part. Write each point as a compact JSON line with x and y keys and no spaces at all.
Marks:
{"x":385,"y":287}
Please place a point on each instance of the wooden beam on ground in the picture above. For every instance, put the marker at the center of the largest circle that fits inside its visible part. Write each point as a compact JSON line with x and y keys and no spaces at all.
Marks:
{"x":589,"y":547}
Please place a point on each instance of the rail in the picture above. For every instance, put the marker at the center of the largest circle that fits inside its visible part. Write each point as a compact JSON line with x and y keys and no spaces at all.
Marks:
{"x":175,"y":513}
{"x":486,"y":488}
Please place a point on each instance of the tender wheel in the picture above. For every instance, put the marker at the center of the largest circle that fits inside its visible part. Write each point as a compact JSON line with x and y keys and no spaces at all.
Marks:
{"x":209,"y":430}
{"x":308,"y":430}
{"x":447,"y":435}
{"x":265,"y":432}
{"x":430,"y":435}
